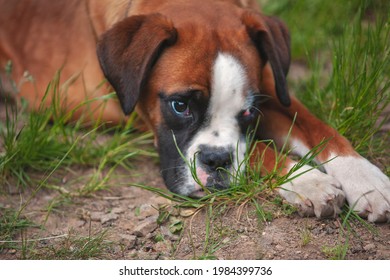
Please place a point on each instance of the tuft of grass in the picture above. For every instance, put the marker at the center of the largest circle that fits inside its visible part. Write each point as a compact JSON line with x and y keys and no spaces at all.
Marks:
{"x":217,"y":235}
{"x":11,"y":224}
{"x":305,"y":236}
{"x":71,"y":247}
{"x":337,"y":252}
{"x":358,"y":90}
{"x":34,"y":143}
{"x":248,"y":188}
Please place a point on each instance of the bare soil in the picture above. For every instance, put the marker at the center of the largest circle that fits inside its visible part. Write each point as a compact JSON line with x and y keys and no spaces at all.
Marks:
{"x":129,"y":215}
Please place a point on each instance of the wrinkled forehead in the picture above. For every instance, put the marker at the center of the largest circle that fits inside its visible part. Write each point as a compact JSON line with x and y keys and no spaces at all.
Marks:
{"x":219,"y":76}
{"x":191,"y":61}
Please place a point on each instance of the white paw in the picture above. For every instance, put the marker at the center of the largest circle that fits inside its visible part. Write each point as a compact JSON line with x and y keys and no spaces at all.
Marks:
{"x":366,"y":188}
{"x":314,"y":193}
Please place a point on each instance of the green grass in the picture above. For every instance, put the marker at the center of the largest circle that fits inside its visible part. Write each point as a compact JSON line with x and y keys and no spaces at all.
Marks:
{"x":314,"y":23}
{"x":35,"y":142}
{"x":70,"y":246}
{"x":75,"y":247}
{"x":12,"y":224}
{"x":358,"y":90}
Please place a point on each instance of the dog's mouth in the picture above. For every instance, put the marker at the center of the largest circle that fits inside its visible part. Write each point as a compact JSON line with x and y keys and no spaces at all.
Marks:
{"x":201,"y":170}
{"x":206,"y":182}
{"x":197,"y":194}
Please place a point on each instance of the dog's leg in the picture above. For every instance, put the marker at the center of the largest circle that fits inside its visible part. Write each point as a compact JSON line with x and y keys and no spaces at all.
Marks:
{"x":366,"y":188}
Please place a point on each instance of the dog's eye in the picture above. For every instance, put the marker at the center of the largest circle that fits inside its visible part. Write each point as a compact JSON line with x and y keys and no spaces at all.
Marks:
{"x":181,"y":108}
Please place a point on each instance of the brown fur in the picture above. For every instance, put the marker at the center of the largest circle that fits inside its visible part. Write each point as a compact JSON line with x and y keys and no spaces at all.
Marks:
{"x":44,"y":36}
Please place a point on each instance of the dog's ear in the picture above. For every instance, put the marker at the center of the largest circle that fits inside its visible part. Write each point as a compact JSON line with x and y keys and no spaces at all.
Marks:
{"x":272,"y":41}
{"x":128,"y":51}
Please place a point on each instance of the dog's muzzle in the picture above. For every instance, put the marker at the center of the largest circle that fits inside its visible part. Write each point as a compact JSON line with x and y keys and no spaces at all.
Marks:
{"x":214,"y":169}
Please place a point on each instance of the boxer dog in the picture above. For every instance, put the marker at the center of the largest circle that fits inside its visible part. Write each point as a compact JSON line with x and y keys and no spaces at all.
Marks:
{"x":201,"y":74}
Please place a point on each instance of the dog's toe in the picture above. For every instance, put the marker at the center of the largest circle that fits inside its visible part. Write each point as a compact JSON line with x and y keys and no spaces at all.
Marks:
{"x":332,"y":205}
{"x":379,"y":216}
{"x":314,"y":193}
{"x":367,"y":188}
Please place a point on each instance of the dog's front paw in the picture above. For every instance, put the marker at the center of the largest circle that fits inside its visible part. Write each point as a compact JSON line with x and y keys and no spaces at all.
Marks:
{"x":366,"y":188}
{"x":314,"y":193}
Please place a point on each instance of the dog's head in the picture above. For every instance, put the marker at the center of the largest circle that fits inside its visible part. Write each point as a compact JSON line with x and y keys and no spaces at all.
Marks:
{"x":197,"y":80}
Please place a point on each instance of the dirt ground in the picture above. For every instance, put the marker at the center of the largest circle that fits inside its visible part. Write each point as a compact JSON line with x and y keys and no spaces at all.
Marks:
{"x":130,"y":214}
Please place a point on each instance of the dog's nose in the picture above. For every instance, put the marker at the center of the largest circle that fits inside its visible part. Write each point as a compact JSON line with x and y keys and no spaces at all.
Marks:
{"x":216,"y":158}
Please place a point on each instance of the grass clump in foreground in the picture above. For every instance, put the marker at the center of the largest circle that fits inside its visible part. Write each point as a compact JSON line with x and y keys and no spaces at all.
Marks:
{"x":11,"y":224}
{"x":35,"y":142}
{"x":75,"y":247}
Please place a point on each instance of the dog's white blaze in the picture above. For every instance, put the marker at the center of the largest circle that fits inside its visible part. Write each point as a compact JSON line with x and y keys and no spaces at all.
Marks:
{"x":229,"y":82}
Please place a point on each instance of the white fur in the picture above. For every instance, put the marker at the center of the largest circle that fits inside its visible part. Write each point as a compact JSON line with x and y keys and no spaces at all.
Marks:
{"x":313,"y":192}
{"x":366,"y":188}
{"x":229,"y":83}
{"x":298,"y":148}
